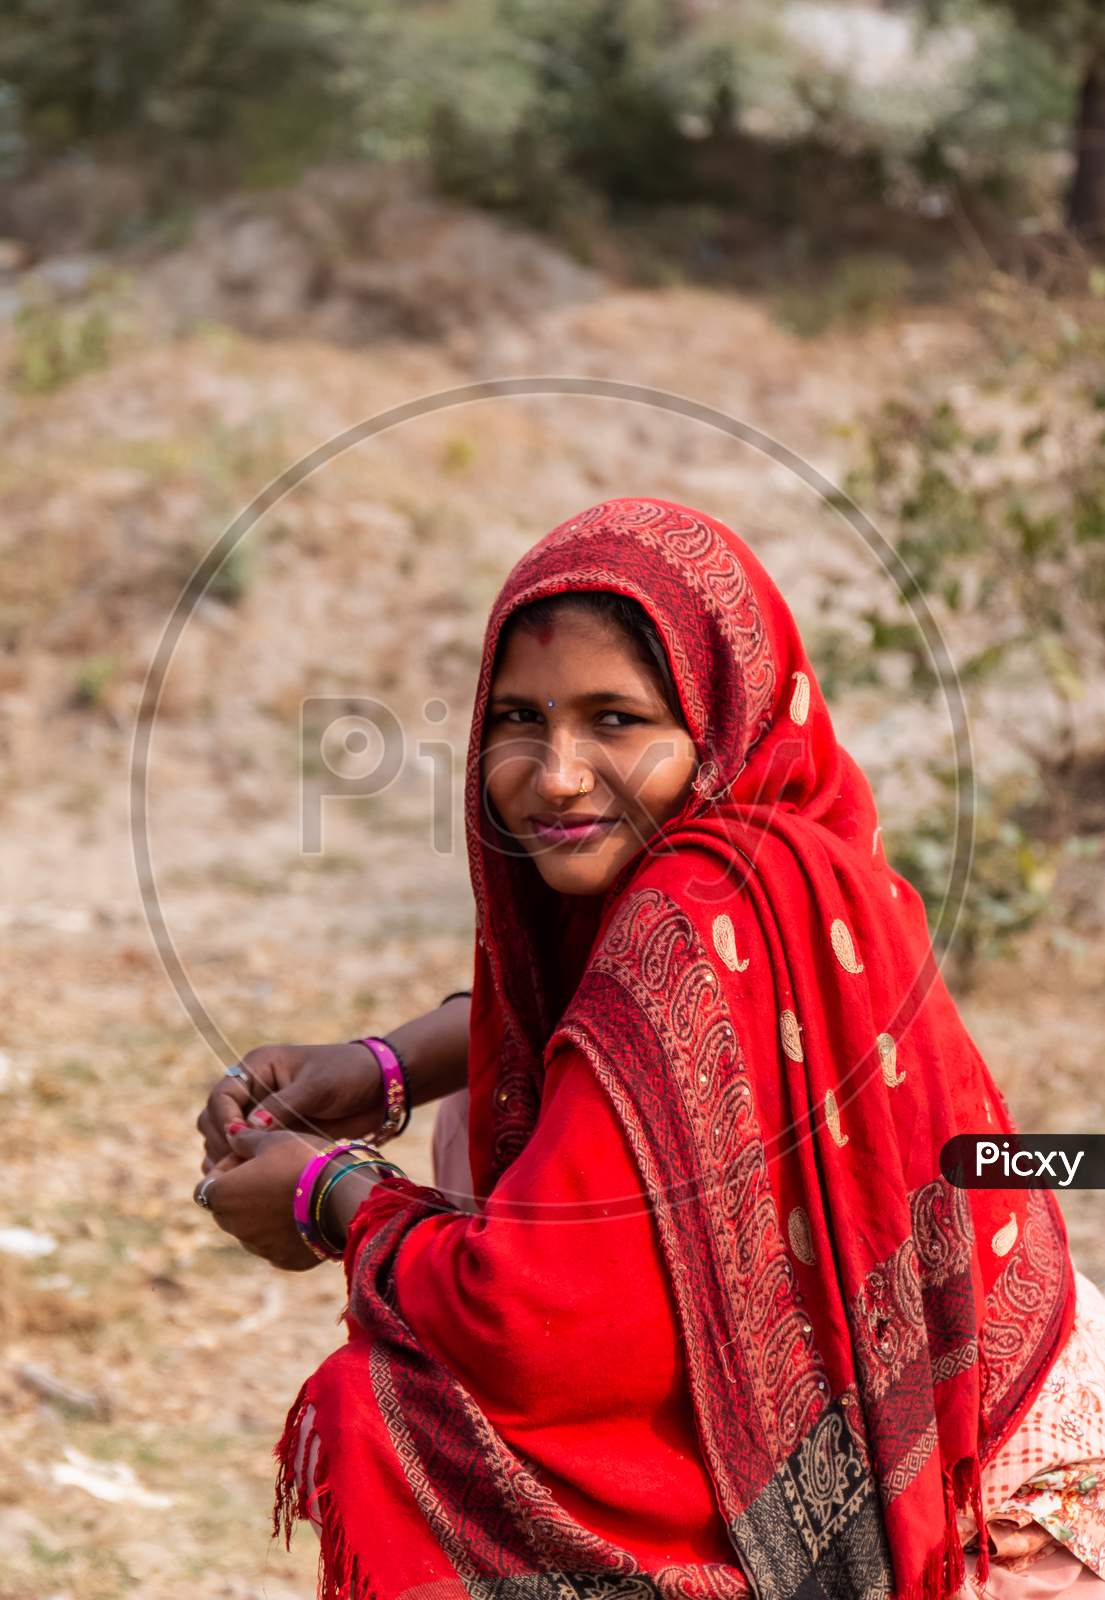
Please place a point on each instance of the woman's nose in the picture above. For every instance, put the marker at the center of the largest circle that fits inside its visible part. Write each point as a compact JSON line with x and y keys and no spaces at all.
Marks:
{"x":562,"y":772}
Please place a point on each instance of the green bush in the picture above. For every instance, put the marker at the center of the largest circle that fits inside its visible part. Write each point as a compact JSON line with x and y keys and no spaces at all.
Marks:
{"x":93,"y":680}
{"x":56,"y":343}
{"x":1012,"y":871}
{"x":995,"y":505}
{"x":859,"y":289}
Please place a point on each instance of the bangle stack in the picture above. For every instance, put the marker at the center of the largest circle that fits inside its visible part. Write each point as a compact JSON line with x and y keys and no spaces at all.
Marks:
{"x":397,"y":1087}
{"x":315,"y":1182}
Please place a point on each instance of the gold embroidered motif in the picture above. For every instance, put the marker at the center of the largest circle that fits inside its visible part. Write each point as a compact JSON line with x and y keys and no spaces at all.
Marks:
{"x":798,"y":1232}
{"x":888,"y":1056}
{"x":725,"y":943}
{"x":800,"y":699}
{"x":843,"y":948}
{"x":832,"y":1117}
{"x":1006,"y":1236}
{"x":791,"y":1034}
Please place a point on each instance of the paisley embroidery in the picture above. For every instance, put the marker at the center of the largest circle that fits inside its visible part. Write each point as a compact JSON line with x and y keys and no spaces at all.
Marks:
{"x":888,"y":1057}
{"x":832,"y":1117}
{"x":843,"y":948}
{"x":1022,"y":1312}
{"x":800,"y":700}
{"x":725,"y":943}
{"x":790,"y":1033}
{"x":1006,"y":1236}
{"x":801,"y":1239}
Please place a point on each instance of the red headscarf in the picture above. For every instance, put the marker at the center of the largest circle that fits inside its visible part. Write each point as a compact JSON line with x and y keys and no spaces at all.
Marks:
{"x":859,"y":1334}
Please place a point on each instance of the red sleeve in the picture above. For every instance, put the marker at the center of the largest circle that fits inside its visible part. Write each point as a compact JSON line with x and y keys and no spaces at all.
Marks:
{"x":555,"y":1311}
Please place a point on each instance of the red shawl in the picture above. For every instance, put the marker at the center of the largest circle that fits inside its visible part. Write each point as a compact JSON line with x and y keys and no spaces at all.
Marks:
{"x":859,"y":1334}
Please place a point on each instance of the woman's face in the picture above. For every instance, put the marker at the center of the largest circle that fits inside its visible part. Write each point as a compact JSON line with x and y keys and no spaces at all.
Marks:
{"x":607,"y":725}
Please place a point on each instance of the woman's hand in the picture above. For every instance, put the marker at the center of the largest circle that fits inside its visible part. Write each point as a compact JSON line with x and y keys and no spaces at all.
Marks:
{"x":336,"y":1090}
{"x":250,"y":1194}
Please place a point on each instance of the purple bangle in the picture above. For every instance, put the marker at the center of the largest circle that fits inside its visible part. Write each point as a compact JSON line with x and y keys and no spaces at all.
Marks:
{"x":397,"y":1095}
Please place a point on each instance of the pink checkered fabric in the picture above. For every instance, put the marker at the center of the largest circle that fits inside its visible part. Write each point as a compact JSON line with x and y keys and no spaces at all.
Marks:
{"x":1045,"y":1489}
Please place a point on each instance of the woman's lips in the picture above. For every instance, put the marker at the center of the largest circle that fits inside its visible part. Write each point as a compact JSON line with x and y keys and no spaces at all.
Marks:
{"x":567,"y":832}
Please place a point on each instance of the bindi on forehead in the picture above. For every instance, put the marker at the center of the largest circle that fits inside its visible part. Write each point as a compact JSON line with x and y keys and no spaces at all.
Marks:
{"x":544,"y":633}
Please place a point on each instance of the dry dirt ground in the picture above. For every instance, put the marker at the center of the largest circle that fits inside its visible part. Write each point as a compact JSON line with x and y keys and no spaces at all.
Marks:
{"x":373,"y":577}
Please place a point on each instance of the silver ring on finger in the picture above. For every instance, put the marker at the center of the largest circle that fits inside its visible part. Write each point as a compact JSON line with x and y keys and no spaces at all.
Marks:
{"x":200,"y":1196}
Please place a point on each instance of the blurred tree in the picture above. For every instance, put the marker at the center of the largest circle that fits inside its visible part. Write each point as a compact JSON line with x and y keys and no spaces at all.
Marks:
{"x":525,"y":104}
{"x":616,"y":93}
{"x":1076,"y":31}
{"x":163,"y":73}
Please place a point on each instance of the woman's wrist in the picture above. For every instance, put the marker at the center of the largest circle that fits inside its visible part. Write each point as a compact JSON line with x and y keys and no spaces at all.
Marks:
{"x":345,"y":1191}
{"x":396,"y":1086}
{"x":434,"y":1048}
{"x":344,"y":1200}
{"x":319,"y":1218}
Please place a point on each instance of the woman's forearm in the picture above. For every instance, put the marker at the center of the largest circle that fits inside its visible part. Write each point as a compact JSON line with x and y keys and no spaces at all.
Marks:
{"x":434,"y":1048}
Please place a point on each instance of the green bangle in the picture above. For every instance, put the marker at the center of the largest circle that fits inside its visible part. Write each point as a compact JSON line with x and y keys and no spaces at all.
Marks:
{"x":327,"y":1178}
{"x":322,"y":1191}
{"x":319,"y":1229}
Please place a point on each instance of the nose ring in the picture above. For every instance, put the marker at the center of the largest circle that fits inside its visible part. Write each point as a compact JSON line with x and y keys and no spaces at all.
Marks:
{"x":581,"y":789}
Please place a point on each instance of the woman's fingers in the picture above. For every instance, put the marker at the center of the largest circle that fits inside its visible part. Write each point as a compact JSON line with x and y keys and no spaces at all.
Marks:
{"x":226,"y":1103}
{"x":250,"y":1142}
{"x":291,"y":1106}
{"x":249,"y":1196}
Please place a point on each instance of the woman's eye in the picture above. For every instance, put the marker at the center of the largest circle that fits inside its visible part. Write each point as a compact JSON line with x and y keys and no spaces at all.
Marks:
{"x":523,"y":714}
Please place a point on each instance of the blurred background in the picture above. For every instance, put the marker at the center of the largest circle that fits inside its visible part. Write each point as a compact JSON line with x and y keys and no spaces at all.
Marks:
{"x":230,"y":229}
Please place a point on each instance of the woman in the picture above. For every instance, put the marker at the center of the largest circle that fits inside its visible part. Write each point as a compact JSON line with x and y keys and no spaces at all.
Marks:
{"x":715,"y":1324}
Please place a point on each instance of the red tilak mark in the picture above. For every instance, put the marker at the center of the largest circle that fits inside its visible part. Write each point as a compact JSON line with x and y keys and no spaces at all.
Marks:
{"x":544,"y":633}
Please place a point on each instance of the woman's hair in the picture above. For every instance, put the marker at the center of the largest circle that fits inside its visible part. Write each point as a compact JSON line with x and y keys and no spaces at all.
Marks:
{"x":618,"y":609}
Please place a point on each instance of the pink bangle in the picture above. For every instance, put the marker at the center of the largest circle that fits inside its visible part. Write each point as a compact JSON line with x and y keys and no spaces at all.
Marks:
{"x":397,"y":1098}
{"x":306,"y":1220}
{"x":301,"y":1205}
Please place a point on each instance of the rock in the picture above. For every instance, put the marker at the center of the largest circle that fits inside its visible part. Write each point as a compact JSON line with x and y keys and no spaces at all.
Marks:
{"x":69,"y":276}
{"x":356,"y":254}
{"x":73,"y":205}
{"x":25,"y":1242}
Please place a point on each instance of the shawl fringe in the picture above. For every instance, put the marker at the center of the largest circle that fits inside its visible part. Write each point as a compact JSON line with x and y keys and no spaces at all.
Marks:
{"x":338,"y":1578}
{"x":944,"y":1569}
{"x":967,"y":1483}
